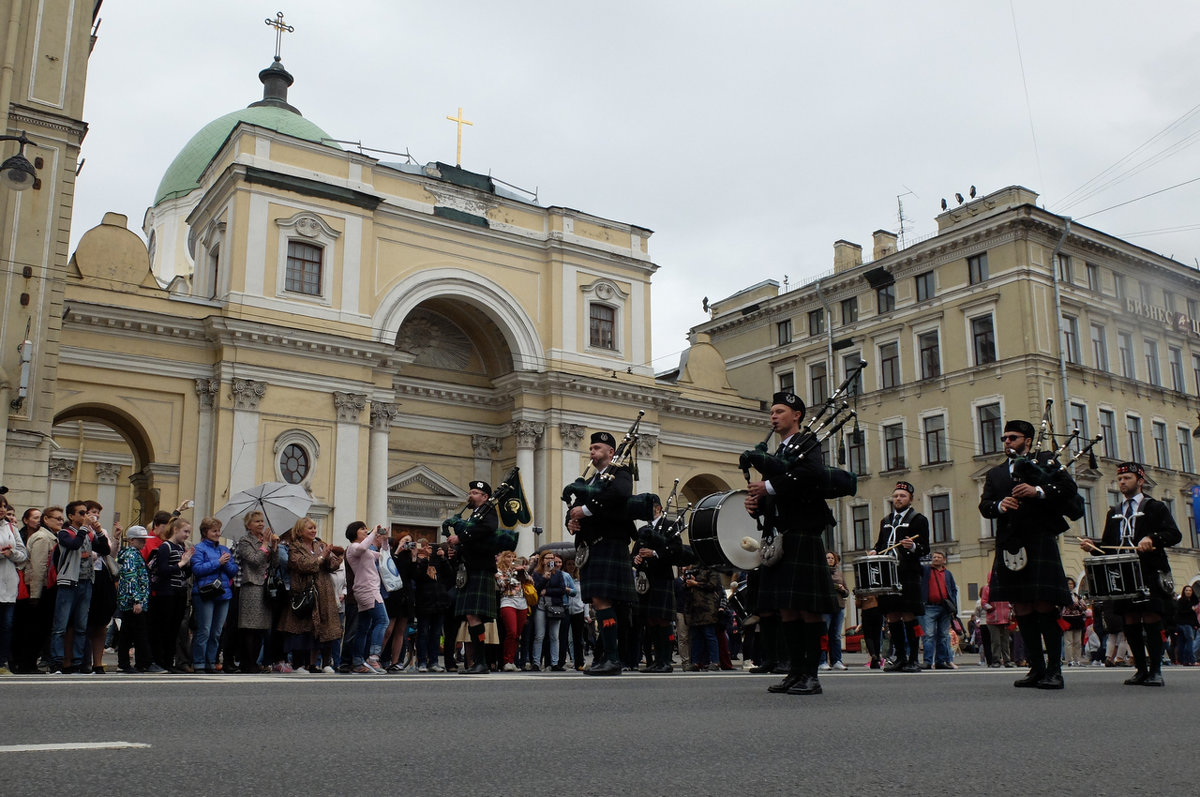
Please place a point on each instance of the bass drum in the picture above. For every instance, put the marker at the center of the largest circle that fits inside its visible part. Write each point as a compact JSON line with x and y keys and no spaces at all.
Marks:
{"x":718,"y":524}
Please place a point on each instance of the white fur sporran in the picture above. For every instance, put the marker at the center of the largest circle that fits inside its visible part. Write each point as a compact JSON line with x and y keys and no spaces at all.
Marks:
{"x":772,"y":550}
{"x":1015,"y":561}
{"x":581,"y":554}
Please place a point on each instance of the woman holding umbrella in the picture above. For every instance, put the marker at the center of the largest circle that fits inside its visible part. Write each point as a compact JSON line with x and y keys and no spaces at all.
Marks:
{"x":312,"y":613}
{"x":256,"y":555}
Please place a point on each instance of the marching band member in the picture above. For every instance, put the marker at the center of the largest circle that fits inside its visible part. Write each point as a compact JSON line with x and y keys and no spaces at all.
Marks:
{"x":654,"y":557}
{"x":1028,"y":571}
{"x":603,"y":531}
{"x":1145,"y":524}
{"x":902,"y":610}
{"x":798,"y":588}
{"x":478,"y":543}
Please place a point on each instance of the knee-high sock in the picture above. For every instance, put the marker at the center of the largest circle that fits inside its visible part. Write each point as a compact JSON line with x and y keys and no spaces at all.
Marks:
{"x":1052,"y":636}
{"x":662,"y":644}
{"x":477,"y":634}
{"x":606,"y":619}
{"x":910,"y":634}
{"x":791,"y":639}
{"x":1031,"y":635}
{"x":899,"y":643}
{"x":812,"y":647}
{"x":1136,"y":637}
{"x":768,"y":629}
{"x":1154,"y":647}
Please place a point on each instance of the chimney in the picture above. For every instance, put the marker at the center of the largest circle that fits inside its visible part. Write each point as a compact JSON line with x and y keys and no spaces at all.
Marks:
{"x":885,"y":244}
{"x":846,"y":256}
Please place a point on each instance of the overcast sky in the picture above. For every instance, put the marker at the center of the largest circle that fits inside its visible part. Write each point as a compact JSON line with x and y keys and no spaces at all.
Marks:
{"x":748,"y":135}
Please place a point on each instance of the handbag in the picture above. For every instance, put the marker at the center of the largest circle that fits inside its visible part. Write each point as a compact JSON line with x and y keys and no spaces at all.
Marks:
{"x":955,"y":623}
{"x":22,"y":587}
{"x":212,"y":589}
{"x":389,"y":574}
{"x":304,"y":601}
{"x":552,"y":610}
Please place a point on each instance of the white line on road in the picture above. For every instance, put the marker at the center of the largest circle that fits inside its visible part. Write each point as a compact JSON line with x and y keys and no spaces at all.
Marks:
{"x":55,"y":748}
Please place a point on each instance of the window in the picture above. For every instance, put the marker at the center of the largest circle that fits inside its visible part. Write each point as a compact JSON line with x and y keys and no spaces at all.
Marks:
{"x":293,"y":463}
{"x":849,"y":363}
{"x":1119,"y":286}
{"x":1088,"y":527}
{"x":1196,"y":370}
{"x":925,"y":287}
{"x":1108,"y":430}
{"x":983,"y":337}
{"x":1099,"y":347}
{"x":783,"y":331}
{"x":1184,"y":437}
{"x":1146,"y":292}
{"x":885,"y":298}
{"x":931,"y":358}
{"x":1193,"y":309}
{"x":1175,"y":359}
{"x":602,"y":329}
{"x":1152,"y":374}
{"x":889,"y":365}
{"x":1125,"y":348}
{"x":787,"y":381}
{"x":977,"y":269}
{"x":850,"y":310}
{"x":1169,"y":298}
{"x":303,"y":268}
{"x":893,"y":446}
{"x":939,"y":517}
{"x":989,"y":428}
{"x":1162,"y":455}
{"x":1133,"y":427}
{"x":1064,"y":268}
{"x":816,"y":322}
{"x":1169,"y":502}
{"x":214,"y":271}
{"x":1093,"y":277}
{"x":861,"y":519}
{"x":1077,"y":417}
{"x":856,"y":452}
{"x":1071,"y":339}
{"x":936,"y":448}
{"x":818,"y":381}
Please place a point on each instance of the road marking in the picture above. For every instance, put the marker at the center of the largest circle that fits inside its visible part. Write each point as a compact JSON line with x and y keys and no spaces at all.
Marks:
{"x":56,"y":748}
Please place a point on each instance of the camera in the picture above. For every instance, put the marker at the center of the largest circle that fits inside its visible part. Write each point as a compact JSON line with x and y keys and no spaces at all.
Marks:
{"x":408,"y":546}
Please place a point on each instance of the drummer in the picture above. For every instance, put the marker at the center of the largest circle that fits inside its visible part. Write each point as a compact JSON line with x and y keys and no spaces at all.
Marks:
{"x":1144,"y":525}
{"x":905,"y":535}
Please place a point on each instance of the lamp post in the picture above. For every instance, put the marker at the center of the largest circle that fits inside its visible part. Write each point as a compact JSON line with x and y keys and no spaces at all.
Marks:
{"x":17,"y":173}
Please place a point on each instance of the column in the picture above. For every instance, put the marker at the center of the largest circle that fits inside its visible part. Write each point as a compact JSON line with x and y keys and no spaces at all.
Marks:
{"x":571,"y":435}
{"x":106,"y":493}
{"x":382,"y":413}
{"x":243,"y":466}
{"x":349,"y":407}
{"x":527,"y":434}
{"x":61,"y":473}
{"x":484,"y":447}
{"x":206,"y":392}
{"x":645,"y":460}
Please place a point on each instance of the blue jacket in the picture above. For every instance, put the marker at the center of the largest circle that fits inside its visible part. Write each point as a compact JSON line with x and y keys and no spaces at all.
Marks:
{"x":951,"y":587}
{"x":206,"y":566}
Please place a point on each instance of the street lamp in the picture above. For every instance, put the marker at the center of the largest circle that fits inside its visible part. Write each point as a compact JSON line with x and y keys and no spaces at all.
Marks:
{"x":17,"y":172}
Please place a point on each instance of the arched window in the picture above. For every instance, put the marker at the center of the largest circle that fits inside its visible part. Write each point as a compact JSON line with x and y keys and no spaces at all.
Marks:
{"x":293,"y":463}
{"x":304,"y":262}
{"x":296,"y":455}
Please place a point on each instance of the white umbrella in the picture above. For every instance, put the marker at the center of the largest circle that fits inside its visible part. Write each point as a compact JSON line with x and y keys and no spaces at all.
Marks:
{"x":282,"y":504}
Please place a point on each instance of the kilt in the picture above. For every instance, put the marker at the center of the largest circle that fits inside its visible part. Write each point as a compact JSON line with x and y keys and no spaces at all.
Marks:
{"x":801,"y":580}
{"x":478,"y":596}
{"x":659,"y":602}
{"x":608,"y":572}
{"x":1042,"y":578}
{"x":909,"y":600}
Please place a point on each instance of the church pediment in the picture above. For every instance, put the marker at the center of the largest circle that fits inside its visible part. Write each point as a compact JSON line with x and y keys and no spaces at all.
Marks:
{"x":423,"y":481}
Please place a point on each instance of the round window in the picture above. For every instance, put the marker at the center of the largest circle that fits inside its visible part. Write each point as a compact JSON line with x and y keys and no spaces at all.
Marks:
{"x":293,"y":464}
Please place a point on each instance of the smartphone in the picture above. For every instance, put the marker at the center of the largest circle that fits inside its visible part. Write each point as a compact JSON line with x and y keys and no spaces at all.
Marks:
{"x":116,"y":517}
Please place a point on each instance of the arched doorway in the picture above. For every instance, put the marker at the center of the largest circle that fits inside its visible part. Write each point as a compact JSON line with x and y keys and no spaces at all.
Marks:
{"x":103,"y":454}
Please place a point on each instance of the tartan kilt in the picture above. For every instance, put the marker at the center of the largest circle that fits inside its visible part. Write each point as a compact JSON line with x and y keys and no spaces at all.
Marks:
{"x":1042,"y":578}
{"x":909,"y":600}
{"x":659,"y":602}
{"x":478,"y":596}
{"x":801,"y":580}
{"x":608,"y":572}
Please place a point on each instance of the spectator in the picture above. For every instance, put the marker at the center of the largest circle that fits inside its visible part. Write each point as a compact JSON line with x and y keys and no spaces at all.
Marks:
{"x":576,"y":612}
{"x":431,"y":578}
{"x":104,"y":591}
{"x":213,"y":570}
{"x":704,"y":591}
{"x":133,"y":603}
{"x":514,"y":609}
{"x":940,"y":594}
{"x":170,"y":567}
{"x":831,"y":658}
{"x":13,"y":555}
{"x":254,"y":554}
{"x":312,"y":613}
{"x":363,"y":555}
{"x":35,"y":614}
{"x":399,"y":609}
{"x":1186,"y":623}
{"x":551,"y":610}
{"x":998,"y":616}
{"x":1072,"y":615}
{"x":78,"y":545}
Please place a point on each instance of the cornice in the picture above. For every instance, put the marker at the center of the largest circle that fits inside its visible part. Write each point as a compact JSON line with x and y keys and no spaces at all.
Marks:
{"x":132,"y":323}
{"x":333,"y":348}
{"x":449,"y":393}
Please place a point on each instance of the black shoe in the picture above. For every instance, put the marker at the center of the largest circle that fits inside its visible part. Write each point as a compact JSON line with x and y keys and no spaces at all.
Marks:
{"x":809,"y":685}
{"x":783,"y":668}
{"x":662,"y":668}
{"x":1137,"y":679}
{"x":895,"y":665}
{"x":557,"y":668}
{"x":1030,"y":681}
{"x":786,"y":684}
{"x":1051,"y":680}
{"x":765,"y":667}
{"x":213,"y":670}
{"x":875,"y":665}
{"x":604,"y":668}
{"x":941,"y":665}
{"x":478,"y":668}
{"x":1154,"y":679}
{"x":127,"y":671}
{"x":910,"y":666}
{"x":926,"y":666}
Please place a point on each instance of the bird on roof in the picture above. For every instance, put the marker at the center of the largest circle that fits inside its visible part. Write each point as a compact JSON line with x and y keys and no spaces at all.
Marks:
{"x":972,"y":192}
{"x":944,"y":205}
{"x":959,"y":197}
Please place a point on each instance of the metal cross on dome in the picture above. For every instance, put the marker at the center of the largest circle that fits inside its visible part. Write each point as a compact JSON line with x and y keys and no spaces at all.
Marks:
{"x":280,"y":28}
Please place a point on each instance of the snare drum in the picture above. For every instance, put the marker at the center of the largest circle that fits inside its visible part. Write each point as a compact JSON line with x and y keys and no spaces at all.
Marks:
{"x":718,"y":524}
{"x":1115,"y":577}
{"x":877,"y":575}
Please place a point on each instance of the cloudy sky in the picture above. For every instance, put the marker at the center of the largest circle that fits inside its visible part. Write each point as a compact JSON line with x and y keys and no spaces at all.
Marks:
{"x":748,"y":135}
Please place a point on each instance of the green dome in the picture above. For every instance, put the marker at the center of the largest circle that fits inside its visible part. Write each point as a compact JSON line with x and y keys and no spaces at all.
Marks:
{"x":183,"y":175}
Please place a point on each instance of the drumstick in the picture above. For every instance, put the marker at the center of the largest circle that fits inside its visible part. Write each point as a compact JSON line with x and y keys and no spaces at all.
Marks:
{"x":896,"y":545}
{"x":1109,"y":547}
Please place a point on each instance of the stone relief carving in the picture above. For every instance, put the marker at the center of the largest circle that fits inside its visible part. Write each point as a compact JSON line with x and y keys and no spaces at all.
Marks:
{"x":247,"y":393}
{"x":349,"y":406}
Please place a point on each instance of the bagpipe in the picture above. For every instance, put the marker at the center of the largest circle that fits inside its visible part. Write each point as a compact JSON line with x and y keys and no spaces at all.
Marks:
{"x":509,"y":502}
{"x":1041,"y":467}
{"x":824,"y":424}
{"x":583,"y":490}
{"x":665,"y":539}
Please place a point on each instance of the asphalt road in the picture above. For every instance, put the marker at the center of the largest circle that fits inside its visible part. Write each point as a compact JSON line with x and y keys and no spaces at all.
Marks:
{"x":567,"y":735}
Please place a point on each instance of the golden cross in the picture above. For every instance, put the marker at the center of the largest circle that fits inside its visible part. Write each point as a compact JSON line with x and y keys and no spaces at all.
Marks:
{"x":279,"y":27}
{"x":460,"y":122}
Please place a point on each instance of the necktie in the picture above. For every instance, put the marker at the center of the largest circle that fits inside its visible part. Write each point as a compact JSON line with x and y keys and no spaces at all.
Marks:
{"x":1129,"y":508}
